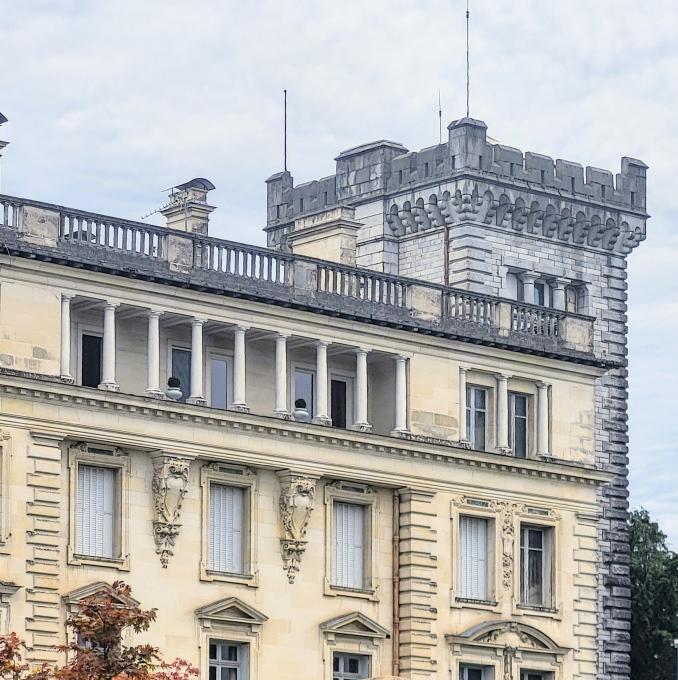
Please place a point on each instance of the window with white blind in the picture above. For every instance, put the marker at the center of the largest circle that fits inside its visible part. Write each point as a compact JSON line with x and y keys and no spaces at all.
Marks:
{"x":473,"y":554}
{"x":348,"y":542}
{"x":226,"y":529}
{"x":95,"y":511}
{"x":476,"y":416}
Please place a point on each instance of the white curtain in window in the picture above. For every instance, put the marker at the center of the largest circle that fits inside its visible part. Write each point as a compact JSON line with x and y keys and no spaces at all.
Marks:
{"x":95,"y":511}
{"x":473,"y":546}
{"x":226,"y":516}
{"x":348,"y":565}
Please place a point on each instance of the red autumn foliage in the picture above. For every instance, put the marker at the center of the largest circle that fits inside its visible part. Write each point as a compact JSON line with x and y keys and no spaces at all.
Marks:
{"x":97,"y":651}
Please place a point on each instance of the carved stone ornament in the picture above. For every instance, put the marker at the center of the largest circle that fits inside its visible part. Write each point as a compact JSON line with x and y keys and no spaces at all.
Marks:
{"x":297,"y":500}
{"x":507,"y":539}
{"x":170,"y":483}
{"x":508,"y":654}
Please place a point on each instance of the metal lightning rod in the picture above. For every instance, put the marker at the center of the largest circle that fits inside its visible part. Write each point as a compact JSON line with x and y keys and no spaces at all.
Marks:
{"x":285,"y":131}
{"x":440,"y":120}
{"x":468,"y":68}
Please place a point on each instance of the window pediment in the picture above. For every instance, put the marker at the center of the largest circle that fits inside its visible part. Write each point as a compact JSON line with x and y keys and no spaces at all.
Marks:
{"x":100,"y":589}
{"x":508,"y":634}
{"x":354,"y":624}
{"x":230,"y":610}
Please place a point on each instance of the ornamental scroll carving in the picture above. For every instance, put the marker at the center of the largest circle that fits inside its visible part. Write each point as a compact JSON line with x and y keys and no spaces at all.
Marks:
{"x":507,"y":540}
{"x":170,"y":483}
{"x":297,"y":500}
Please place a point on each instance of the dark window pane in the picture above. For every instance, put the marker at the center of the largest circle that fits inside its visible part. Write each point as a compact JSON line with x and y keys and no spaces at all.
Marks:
{"x":181,"y":369}
{"x":303,"y":388}
{"x":338,"y":403}
{"x":534,"y":570}
{"x":536,"y":538}
{"x":520,"y":438}
{"x":218,"y":377}
{"x":520,"y":404}
{"x":480,"y":399}
{"x":479,"y":431}
{"x":539,"y":294}
{"x":335,"y":663}
{"x":213,"y":651}
{"x":475,"y":674}
{"x":91,"y":360}
{"x":213,"y":673}
{"x":353,"y":665}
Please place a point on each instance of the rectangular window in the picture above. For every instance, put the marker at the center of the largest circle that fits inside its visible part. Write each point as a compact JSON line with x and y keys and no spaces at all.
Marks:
{"x":476,"y":416}
{"x":348,"y":559}
{"x":218,"y":377}
{"x":426,"y":170}
{"x":228,"y":660}
{"x":90,"y":360}
{"x":473,"y":536}
{"x":518,"y":432}
{"x":532,"y":675}
{"x":350,"y":666}
{"x":539,"y":294}
{"x":95,"y":511}
{"x":475,"y":673}
{"x":535,"y":565}
{"x":181,"y":369}
{"x":304,"y":385}
{"x":226,"y":529}
{"x":338,"y":396}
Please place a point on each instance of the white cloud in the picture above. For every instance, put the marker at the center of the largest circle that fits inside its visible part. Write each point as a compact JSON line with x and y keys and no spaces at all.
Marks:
{"x":111,"y":101}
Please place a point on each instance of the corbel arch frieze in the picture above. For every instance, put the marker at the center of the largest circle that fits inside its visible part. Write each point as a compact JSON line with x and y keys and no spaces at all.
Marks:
{"x":554,"y":219}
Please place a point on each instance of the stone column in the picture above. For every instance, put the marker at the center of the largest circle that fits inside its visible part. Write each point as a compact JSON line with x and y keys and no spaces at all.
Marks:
{"x":239,"y":367}
{"x":321,"y":417}
{"x":463,"y":425}
{"x":65,"y":372}
{"x":528,"y":279}
{"x":361,"y":422}
{"x":108,"y":363}
{"x":558,"y":288}
{"x":281,"y":410}
{"x":197,"y":395}
{"x":543,"y":419}
{"x":400,"y":396}
{"x":153,"y":356}
{"x":502,"y":414}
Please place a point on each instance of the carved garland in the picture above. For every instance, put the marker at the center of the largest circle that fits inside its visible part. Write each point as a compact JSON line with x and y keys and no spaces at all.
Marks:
{"x":170,"y":483}
{"x":297,"y":500}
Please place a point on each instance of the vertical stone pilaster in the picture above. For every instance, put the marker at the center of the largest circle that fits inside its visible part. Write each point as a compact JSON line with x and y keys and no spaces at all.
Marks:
{"x":418,"y":585}
{"x":44,"y":508}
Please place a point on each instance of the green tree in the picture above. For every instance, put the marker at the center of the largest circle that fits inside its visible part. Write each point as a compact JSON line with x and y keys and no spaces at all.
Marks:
{"x":654,"y":600}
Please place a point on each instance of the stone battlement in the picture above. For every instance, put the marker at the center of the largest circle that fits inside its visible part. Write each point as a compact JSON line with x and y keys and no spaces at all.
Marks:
{"x":385,"y":169}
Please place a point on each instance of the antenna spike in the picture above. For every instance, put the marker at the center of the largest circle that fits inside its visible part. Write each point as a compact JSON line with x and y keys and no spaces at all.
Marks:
{"x":285,"y":131}
{"x":440,"y":119}
{"x":468,"y":68}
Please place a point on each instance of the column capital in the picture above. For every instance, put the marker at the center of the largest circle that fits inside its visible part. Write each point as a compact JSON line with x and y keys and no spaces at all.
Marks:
{"x":109,"y":304}
{"x":400,"y":359}
{"x":198,"y":321}
{"x":282,"y":336}
{"x":463,"y":370}
{"x":559,"y":282}
{"x":154,"y":313}
{"x":542,"y":385}
{"x":361,"y":350}
{"x":503,"y":376}
{"x":529,"y":277}
{"x":67,"y":296}
{"x":241,"y":328}
{"x":322,"y":343}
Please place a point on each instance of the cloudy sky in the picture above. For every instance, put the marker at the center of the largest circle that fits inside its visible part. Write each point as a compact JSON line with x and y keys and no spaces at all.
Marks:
{"x":111,"y":101}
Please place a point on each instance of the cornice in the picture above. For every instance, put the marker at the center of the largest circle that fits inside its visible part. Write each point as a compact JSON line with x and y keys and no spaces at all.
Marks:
{"x":36,"y":389}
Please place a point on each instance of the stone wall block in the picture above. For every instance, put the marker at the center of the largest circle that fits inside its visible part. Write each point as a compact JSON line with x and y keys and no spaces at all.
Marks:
{"x":39,"y":226}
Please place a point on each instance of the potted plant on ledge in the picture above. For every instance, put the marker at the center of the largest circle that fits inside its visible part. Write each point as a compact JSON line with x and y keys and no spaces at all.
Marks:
{"x":173,"y":391}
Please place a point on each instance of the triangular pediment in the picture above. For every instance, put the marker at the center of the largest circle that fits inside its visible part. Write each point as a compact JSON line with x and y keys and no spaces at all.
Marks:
{"x":101,"y":589}
{"x":231,"y":610}
{"x":356,"y":624}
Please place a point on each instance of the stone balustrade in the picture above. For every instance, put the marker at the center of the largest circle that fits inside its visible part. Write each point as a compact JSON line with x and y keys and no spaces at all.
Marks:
{"x":73,"y":237}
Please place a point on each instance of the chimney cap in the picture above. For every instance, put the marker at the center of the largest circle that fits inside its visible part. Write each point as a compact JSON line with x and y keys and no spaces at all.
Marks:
{"x":195,"y":183}
{"x":3,"y":119}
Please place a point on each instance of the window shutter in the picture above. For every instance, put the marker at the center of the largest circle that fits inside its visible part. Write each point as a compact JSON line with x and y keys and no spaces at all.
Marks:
{"x":95,"y":511}
{"x":348,"y":565}
{"x":226,"y":520}
{"x":473,"y":545}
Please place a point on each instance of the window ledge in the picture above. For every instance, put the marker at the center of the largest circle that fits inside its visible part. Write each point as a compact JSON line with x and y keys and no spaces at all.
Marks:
{"x":250,"y":580}
{"x":363,"y":593}
{"x":471,"y":603}
{"x":536,"y":609}
{"x":119,"y":563}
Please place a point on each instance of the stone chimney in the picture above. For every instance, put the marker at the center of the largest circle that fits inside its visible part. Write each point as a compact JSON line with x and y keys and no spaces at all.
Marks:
{"x":328,"y":235}
{"x":188,"y":209}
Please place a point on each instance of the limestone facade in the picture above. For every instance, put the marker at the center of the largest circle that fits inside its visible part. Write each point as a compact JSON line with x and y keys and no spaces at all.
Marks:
{"x":395,"y":524}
